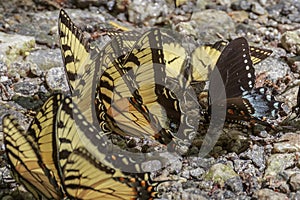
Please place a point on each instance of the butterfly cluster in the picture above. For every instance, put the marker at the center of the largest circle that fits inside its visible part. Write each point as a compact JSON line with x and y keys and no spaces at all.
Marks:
{"x":137,"y":85}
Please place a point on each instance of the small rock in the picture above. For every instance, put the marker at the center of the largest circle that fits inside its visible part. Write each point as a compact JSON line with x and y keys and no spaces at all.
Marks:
{"x":185,"y":173}
{"x":152,"y":165}
{"x":253,"y":16}
{"x":295,"y":196}
{"x":27,"y":88}
{"x":15,"y":46}
{"x":46,"y":59}
{"x":186,"y":28}
{"x":245,"y":5}
{"x":239,"y":16}
{"x":295,"y":182}
{"x":275,"y":68}
{"x":262,"y":2}
{"x":3,"y":79}
{"x":256,"y":154}
{"x":266,"y":194}
{"x":3,"y":68}
{"x":56,"y":79}
{"x":147,"y":12}
{"x":196,"y":173}
{"x":290,"y":40}
{"x":18,"y":69}
{"x":277,"y":163}
{"x":257,"y":8}
{"x":235,"y":184}
{"x":241,"y":5}
{"x":189,"y":195}
{"x":35,"y":70}
{"x":288,"y":143}
{"x":210,"y":23}
{"x":87,"y":3}
{"x":219,"y":173}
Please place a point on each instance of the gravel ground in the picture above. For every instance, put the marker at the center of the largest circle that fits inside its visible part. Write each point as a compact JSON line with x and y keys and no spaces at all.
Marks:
{"x":245,"y":164}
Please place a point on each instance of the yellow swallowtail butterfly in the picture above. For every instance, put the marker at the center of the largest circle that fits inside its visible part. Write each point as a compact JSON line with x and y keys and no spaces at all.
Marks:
{"x":87,"y":177}
{"x":130,"y":72}
{"x":31,"y":154}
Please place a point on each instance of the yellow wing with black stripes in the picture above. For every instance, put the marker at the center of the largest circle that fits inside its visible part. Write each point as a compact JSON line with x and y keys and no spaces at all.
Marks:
{"x":129,"y":86}
{"x":31,"y":154}
{"x":74,"y":47}
{"x":80,"y":64}
{"x":87,"y":178}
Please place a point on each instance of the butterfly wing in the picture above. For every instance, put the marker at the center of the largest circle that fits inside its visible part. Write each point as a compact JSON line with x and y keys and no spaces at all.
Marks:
{"x":81,"y":65}
{"x":128,"y":89}
{"x":244,"y":102}
{"x":87,"y":178}
{"x":75,"y":49}
{"x":74,"y":131}
{"x":31,"y":154}
{"x":176,"y":72}
{"x":204,"y":58}
{"x":236,"y":69}
{"x":259,"y":54}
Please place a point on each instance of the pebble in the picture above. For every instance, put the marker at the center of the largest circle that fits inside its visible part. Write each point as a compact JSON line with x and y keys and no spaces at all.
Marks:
{"x":235,"y":184}
{"x":288,"y":143}
{"x":209,"y":23}
{"x":15,"y":47}
{"x":295,"y":196}
{"x":147,"y":12}
{"x":35,"y":70}
{"x":27,"y":88}
{"x":87,"y":3}
{"x":274,"y":66}
{"x":219,"y":173}
{"x":257,"y":8}
{"x":295,"y":182}
{"x":245,"y":5}
{"x":46,"y":59}
{"x":277,"y":163}
{"x":256,"y":154}
{"x":266,"y":194}
{"x":196,"y":173}
{"x":56,"y":79}
{"x":290,"y":40}
{"x":239,"y":16}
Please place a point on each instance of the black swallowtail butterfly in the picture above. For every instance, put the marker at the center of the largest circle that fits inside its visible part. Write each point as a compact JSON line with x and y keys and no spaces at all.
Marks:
{"x":244,"y":102}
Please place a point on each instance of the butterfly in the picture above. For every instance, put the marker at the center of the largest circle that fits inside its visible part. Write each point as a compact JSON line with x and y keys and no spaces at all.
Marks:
{"x":85,"y":176}
{"x":31,"y":154}
{"x":130,"y":97}
{"x":176,"y":79}
{"x":244,"y":101}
